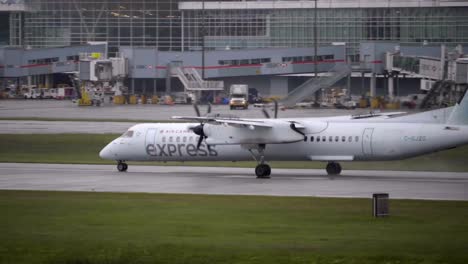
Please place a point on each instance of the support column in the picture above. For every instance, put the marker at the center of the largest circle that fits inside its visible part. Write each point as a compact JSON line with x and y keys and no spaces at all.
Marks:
{"x":391,"y":88}
{"x":48,"y":81}
{"x":373,"y":81}
{"x":155,"y":86}
{"x":168,"y":85}
{"x":133,"y":87}
{"x":348,"y":85}
{"x":168,"y":78}
{"x":362,"y":84}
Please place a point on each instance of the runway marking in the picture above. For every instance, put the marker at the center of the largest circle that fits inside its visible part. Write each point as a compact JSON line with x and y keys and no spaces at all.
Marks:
{"x":237,"y":176}
{"x":318,"y":178}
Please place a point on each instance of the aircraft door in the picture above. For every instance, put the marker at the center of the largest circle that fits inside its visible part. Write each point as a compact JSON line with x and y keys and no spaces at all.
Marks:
{"x":367,"y":141}
{"x":150,"y":137}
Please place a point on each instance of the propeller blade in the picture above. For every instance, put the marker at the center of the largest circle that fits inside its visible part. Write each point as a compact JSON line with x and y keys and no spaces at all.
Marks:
{"x":276,"y":108}
{"x":209,"y":109}
{"x":198,"y":130}
{"x":197,"y":110}
{"x":265,"y":113}
{"x":200,"y":140}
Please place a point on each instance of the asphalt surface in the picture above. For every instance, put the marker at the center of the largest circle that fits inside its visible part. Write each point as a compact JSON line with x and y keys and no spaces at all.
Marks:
{"x":62,"y":127}
{"x":235,"y":181}
{"x":66,"y":109}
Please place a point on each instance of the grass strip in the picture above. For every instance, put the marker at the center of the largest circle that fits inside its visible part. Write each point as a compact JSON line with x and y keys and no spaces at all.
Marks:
{"x":61,"y":227}
{"x":84,"y":149}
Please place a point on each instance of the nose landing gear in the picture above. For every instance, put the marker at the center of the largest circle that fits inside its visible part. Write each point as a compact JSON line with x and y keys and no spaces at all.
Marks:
{"x":122,"y":166}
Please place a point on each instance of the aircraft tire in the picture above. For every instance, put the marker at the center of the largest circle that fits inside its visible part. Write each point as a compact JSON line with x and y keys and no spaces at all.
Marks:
{"x":333,"y":168}
{"x":122,"y":167}
{"x":263,"y":171}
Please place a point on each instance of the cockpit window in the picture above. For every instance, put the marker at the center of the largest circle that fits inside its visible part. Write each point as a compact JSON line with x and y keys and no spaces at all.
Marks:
{"x":128,"y":134}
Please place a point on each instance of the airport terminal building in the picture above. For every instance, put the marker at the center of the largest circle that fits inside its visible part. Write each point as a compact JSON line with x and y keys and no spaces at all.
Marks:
{"x":172,"y":25}
{"x":192,"y":26}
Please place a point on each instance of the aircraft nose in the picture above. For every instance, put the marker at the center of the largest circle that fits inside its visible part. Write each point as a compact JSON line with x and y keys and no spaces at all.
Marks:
{"x":106,"y":153}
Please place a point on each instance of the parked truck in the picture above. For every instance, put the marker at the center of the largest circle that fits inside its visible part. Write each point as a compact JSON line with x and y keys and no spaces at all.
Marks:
{"x":239,"y":96}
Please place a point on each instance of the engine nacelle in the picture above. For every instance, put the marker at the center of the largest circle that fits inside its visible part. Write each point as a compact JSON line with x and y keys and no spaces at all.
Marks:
{"x":224,"y":134}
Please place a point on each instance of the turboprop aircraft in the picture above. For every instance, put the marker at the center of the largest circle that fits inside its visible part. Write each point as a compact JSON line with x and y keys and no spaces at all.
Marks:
{"x":371,"y":137}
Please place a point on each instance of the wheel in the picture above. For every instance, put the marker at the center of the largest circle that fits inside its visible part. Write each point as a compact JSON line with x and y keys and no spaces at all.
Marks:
{"x":121,"y":166}
{"x":268,"y":171}
{"x":263,"y":171}
{"x":333,"y":168}
{"x":338,"y":168}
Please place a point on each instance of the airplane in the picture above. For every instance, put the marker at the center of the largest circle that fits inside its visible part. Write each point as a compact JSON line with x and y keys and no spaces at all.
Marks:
{"x":370,"y":137}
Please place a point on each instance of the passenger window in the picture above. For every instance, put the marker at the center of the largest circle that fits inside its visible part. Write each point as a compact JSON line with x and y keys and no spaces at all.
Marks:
{"x":356,"y":139}
{"x":330,"y":138}
{"x":337,"y":138}
{"x":164,"y":139}
{"x":324,"y":139}
{"x":191,"y":139}
{"x":184,"y":139}
{"x":343,"y":139}
{"x":178,"y":139}
{"x":312,"y":139}
{"x":305,"y":139}
{"x":170,"y":139}
{"x":350,"y":139}
{"x":318,"y":139}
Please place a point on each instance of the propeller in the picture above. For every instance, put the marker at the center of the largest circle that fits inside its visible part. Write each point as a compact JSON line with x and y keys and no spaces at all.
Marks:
{"x":267,"y":115}
{"x":198,"y":130}
{"x":197,"y":109}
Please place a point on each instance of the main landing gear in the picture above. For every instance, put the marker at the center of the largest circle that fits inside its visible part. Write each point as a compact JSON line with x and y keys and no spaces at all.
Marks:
{"x":333,"y":168}
{"x":262,"y":170}
{"x":122,"y":166}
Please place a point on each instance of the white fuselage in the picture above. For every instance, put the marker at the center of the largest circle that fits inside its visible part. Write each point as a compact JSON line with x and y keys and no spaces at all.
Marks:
{"x":326,"y":140}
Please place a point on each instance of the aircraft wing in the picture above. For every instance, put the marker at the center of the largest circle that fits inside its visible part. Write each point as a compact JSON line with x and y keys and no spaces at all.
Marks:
{"x":235,"y":131}
{"x":229,"y":121}
{"x":373,"y":115}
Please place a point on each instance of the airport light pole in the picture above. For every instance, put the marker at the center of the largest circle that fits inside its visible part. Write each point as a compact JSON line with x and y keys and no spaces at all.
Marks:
{"x":315,"y":39}
{"x":203,"y":40}
{"x":317,"y":94}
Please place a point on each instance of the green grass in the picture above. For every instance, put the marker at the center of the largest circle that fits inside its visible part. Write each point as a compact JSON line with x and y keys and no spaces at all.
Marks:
{"x":84,"y":149}
{"x":59,"y":227}
{"x":49,"y":148}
